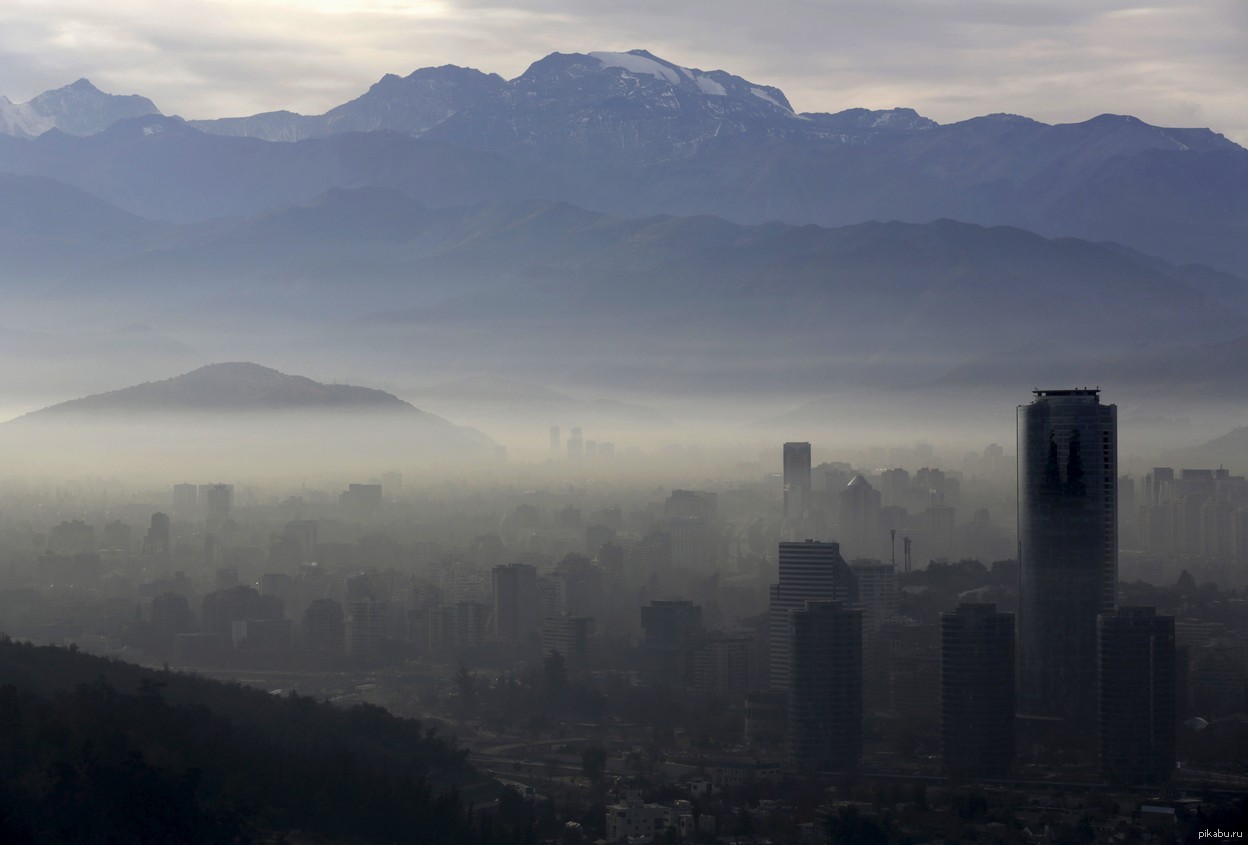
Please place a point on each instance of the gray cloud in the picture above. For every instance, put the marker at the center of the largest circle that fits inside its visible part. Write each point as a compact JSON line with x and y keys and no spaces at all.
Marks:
{"x":1172,"y":62}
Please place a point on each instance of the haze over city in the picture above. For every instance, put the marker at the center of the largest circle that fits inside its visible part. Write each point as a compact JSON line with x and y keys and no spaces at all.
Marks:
{"x":463,"y":422}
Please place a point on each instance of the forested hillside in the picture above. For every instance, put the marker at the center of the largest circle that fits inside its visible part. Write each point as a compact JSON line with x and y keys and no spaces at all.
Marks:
{"x":93,"y":750}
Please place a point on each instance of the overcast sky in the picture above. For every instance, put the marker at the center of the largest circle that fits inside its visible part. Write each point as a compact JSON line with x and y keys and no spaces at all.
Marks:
{"x":1169,"y":62}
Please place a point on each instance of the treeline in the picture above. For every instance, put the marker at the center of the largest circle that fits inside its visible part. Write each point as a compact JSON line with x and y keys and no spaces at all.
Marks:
{"x":135,"y":755}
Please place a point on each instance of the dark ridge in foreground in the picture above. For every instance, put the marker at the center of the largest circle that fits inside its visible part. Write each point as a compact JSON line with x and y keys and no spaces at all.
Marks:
{"x":230,"y":388}
{"x":95,"y":750}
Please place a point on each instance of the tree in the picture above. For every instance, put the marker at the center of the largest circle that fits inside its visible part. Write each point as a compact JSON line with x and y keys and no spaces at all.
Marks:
{"x":1186,"y":584}
{"x":849,"y":828}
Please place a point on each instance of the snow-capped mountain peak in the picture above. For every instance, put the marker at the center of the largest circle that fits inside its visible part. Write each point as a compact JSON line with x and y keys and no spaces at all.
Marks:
{"x":75,"y":109}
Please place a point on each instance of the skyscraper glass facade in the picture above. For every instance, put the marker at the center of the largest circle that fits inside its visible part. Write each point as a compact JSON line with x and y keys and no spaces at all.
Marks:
{"x":1067,"y":546}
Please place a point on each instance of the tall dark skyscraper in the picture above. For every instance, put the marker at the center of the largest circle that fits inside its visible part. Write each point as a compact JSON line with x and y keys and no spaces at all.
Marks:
{"x":825,"y":685}
{"x":809,"y":571}
{"x":1067,"y":547}
{"x":796,"y":480}
{"x":1136,"y":687}
{"x":977,"y":691}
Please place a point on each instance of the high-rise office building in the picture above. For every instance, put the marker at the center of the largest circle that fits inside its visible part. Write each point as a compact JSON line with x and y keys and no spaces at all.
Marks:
{"x":876,"y":586}
{"x":1136,"y":685}
{"x":368,"y":628}
{"x":472,"y":624}
{"x":517,"y":606}
{"x":324,"y":629}
{"x":796,"y":480}
{"x":825,"y":685}
{"x":692,"y":523}
{"x":724,"y":663}
{"x":671,"y":626}
{"x":977,"y":691}
{"x":1161,"y":478}
{"x":571,"y":636}
{"x":302,"y":535}
{"x":158,"y":540}
{"x":809,"y":571}
{"x":185,"y":501}
{"x":361,"y":499}
{"x":216,"y":499}
{"x":1067,"y":546}
{"x":171,"y":615}
{"x":859,"y":508}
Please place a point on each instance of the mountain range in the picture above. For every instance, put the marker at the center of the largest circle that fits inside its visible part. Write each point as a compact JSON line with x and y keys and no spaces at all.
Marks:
{"x":379,"y":281}
{"x":618,"y":224}
{"x":634,"y":134}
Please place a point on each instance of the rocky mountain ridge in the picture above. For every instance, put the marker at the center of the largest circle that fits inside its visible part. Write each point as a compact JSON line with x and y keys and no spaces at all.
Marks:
{"x":633,"y":134}
{"x":75,"y":109}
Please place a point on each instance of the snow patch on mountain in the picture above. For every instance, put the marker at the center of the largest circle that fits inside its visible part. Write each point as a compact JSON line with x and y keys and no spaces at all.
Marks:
{"x":76,"y":109}
{"x":763,"y":95}
{"x":637,"y":64}
{"x":21,"y":119}
{"x":711,"y":87}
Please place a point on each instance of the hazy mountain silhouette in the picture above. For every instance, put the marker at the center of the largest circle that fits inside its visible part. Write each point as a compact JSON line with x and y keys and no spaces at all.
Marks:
{"x":36,"y":207}
{"x":235,"y":415}
{"x":747,"y":305}
{"x":1231,"y":449}
{"x":162,"y":168}
{"x":49,"y":229}
{"x":1211,"y":373}
{"x":493,"y":391}
{"x":493,"y":400}
{"x":466,"y":289}
{"x":227,"y":388}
